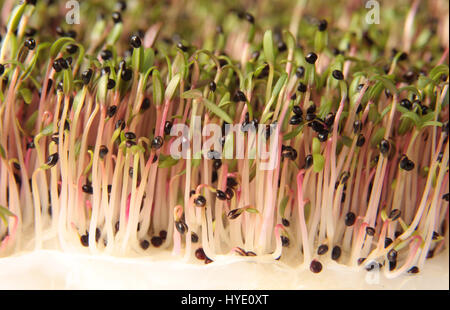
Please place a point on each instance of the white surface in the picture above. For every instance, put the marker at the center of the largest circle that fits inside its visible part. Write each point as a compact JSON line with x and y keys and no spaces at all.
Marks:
{"x":49,"y":269}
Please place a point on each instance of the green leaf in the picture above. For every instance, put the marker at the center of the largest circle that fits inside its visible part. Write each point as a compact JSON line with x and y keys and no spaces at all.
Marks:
{"x":283,"y":205}
{"x":377,"y":137}
{"x":431,"y":123}
{"x":26,"y":95}
{"x":157,"y":88}
{"x":293,"y":133}
{"x":318,"y":162}
{"x":192,"y":94}
{"x":16,"y":16}
{"x":114,"y":35}
{"x":47,"y":131}
{"x":173,"y":84}
{"x":2,"y":151}
{"x":167,"y":161}
{"x":4,"y":212}
{"x":268,"y":47}
{"x":217,"y":111}
{"x":251,"y":210}
{"x":315,"y":146}
{"x":387,"y":83}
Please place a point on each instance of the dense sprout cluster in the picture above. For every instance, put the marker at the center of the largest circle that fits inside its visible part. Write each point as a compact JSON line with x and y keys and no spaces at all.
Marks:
{"x":360,"y":111}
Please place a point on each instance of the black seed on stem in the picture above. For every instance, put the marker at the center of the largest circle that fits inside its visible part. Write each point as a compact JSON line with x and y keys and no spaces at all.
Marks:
{"x":322,"y":25}
{"x":239,"y":97}
{"x":311,"y":58}
{"x":72,"y":48}
{"x":52,"y":159}
{"x":296,"y":120}
{"x":370,"y":231}
{"x":212,"y":86}
{"x":145,"y":104}
{"x":395,"y":214}
{"x":86,"y":76}
{"x":315,"y":266}
{"x":323,"y":248}
{"x":181,"y":227}
{"x":103,"y":151}
{"x":282,"y":46}
{"x":392,"y":255}
{"x":285,"y":222}
{"x":221,"y":195}
{"x":111,"y":111}
{"x":361,"y":140}
{"x":300,"y":72}
{"x":157,"y":142}
{"x":308,"y":161}
{"x":406,"y":164}
{"x":446,"y":197}
{"x":200,"y":201}
{"x":106,"y":54}
{"x":337,"y":74}
{"x":230,"y":193}
{"x":297,"y":110}
{"x":413,"y":270}
{"x":130,"y":135}
{"x":117,"y":18}
{"x":2,"y":69}
{"x":384,"y":147}
{"x":111,"y":84}
{"x":387,"y":242}
{"x":301,"y":87}
{"x":249,"y":17}
{"x":135,"y":41}
{"x":200,"y":254}
{"x":127,"y":74}
{"x":30,"y":43}
{"x":182,"y":47}
{"x":405,"y":103}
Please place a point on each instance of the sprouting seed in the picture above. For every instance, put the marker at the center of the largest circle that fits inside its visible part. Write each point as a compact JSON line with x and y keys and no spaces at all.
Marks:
{"x":135,"y":41}
{"x":406,"y":164}
{"x":157,"y":142}
{"x":337,"y":74}
{"x":221,"y":195}
{"x":30,"y":43}
{"x":181,"y":227}
{"x":217,"y":163}
{"x":145,"y":104}
{"x":370,"y":231}
{"x":234,"y":213}
{"x":446,"y":197}
{"x":127,"y":74}
{"x":322,"y":25}
{"x":86,"y":76}
{"x":200,"y":201}
{"x":117,"y":17}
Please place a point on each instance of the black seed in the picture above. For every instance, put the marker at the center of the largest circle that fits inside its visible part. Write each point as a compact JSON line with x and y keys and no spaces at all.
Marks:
{"x":435,"y":235}
{"x":156,"y":241}
{"x":322,"y":136}
{"x":167,"y":127}
{"x":296,"y":119}
{"x":127,"y":74}
{"x":52,"y":159}
{"x":71,"y":34}
{"x":212,"y":86}
{"x":297,"y":110}
{"x":357,"y":126}
{"x":157,"y":143}
{"x":120,"y":124}
{"x":181,"y":227}
{"x":395,"y":214}
{"x":239,"y":96}
{"x":311,"y":109}
{"x":221,"y":195}
{"x":311,"y":58}
{"x":130,"y":135}
{"x":282,"y":46}
{"x":301,"y":87}
{"x":182,"y":47}
{"x":361,"y":260}
{"x":350,"y":219}
{"x":300,"y":72}
{"x":285,"y":222}
{"x":406,"y":164}
{"x":370,"y":231}
{"x":214,"y":176}
{"x":361,"y":140}
{"x":230,"y":193}
{"x":322,"y":25}
{"x":315,"y":266}
{"x":72,"y":48}
{"x":217,"y":163}
{"x":30,"y":43}
{"x":145,"y":104}
{"x":413,"y":269}
{"x":85,"y":240}
{"x":446,"y":197}
{"x":231,"y":182}
{"x":440,"y":156}
{"x":308,"y":161}
{"x":111,"y":111}
{"x":403,"y":56}
{"x":200,"y":254}
{"x":103,"y":151}
{"x":200,"y":201}
{"x":329,"y":119}
{"x":336,"y":253}
{"x":337,"y":74}
{"x":87,"y":188}
{"x":384,"y":147}
{"x":111,"y":84}
{"x":317,"y":126}
{"x":323,"y":248}
{"x":392,"y":265}
{"x":135,"y":41}
{"x":285,"y":241}
{"x":86,"y":76}
{"x":430,"y":254}
{"x":392,"y":255}
{"x":144,"y":244}
{"x":194,"y":237}
{"x":117,"y":18}
{"x":106,"y":54}
{"x":56,"y":65}
{"x":387,"y":242}
{"x":121,"y":5}
{"x":98,"y":234}
{"x":406,"y":104}
{"x":106,"y":70}
{"x":234,"y":213}
{"x":249,"y":17}
{"x":2,"y":69}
